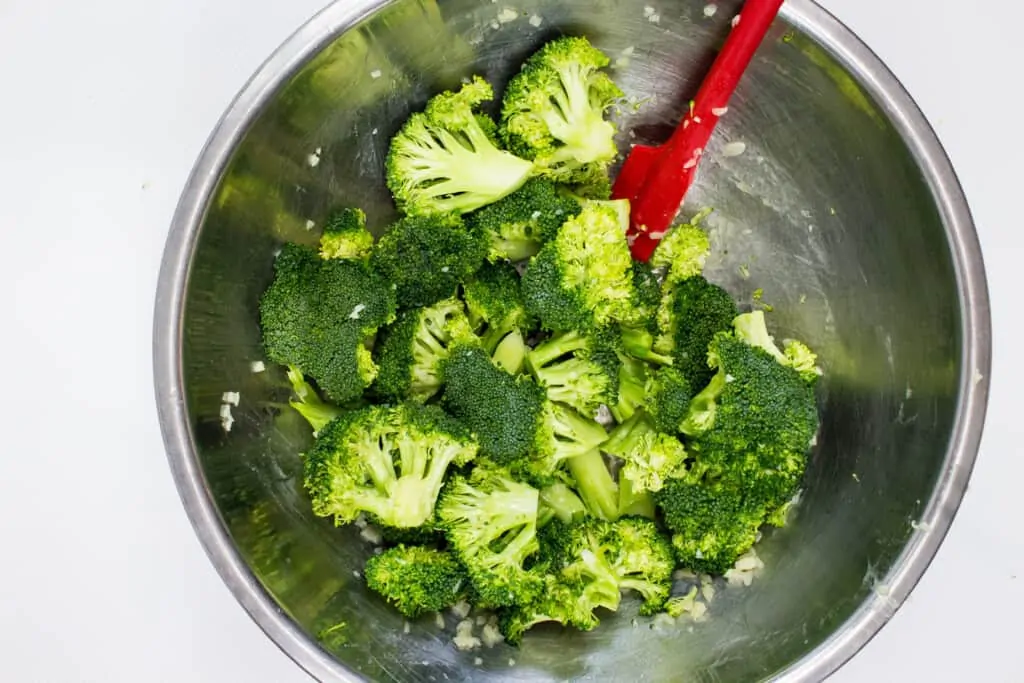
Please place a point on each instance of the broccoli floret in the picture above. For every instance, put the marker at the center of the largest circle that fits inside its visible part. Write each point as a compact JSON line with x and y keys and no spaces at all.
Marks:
{"x":560,"y":501}
{"x":583,"y":278}
{"x":490,"y":520}
{"x":650,"y":456}
{"x":553,"y":111}
{"x":320,"y":316}
{"x":412,"y":351}
{"x":668,"y":399}
{"x":634,"y":501}
{"x":682,"y":251}
{"x":753,"y":329}
{"x":557,"y":602}
{"x":582,"y":555}
{"x":446,"y":160}
{"x":386,"y":461}
{"x":691,"y":313}
{"x":563,"y":434}
{"x":426,"y":258}
{"x":416,"y":579}
{"x":645,"y":562}
{"x":712,"y":524}
{"x":505,"y":413}
{"x":345,"y":236}
{"x":495,"y":304}
{"x":580,"y":370}
{"x":518,"y":225}
{"x":633,"y":377}
{"x":309,"y":404}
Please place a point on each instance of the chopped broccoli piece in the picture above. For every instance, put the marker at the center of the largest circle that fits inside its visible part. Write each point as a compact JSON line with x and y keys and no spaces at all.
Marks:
{"x":416,"y":579}
{"x":495,"y":304}
{"x":518,"y":225}
{"x":635,"y":502}
{"x":691,"y":313}
{"x":345,"y":236}
{"x":558,"y":500}
{"x":595,"y":485}
{"x":426,"y":258}
{"x":645,"y":561}
{"x":553,"y":111}
{"x":320,"y":315}
{"x":386,"y":461}
{"x":580,"y":370}
{"x":633,"y":377}
{"x":562,"y":436}
{"x":412,"y":351}
{"x":558,"y":602}
{"x":510,"y":355}
{"x":650,"y":456}
{"x":668,"y":399}
{"x":583,"y":278}
{"x":753,"y":329}
{"x":491,"y":521}
{"x":682,"y":252}
{"x":309,"y":404}
{"x":505,"y":413}
{"x":446,"y":160}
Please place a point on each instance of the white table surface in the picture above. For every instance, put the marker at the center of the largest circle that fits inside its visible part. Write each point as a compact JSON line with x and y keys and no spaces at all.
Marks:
{"x":105,"y":104}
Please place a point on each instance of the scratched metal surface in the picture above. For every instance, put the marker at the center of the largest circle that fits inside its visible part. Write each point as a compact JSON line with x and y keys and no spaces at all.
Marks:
{"x":826,"y":210}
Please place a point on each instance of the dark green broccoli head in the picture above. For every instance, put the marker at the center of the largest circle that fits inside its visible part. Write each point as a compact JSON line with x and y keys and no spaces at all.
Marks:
{"x":583,"y":278}
{"x":646,"y":295}
{"x":558,"y":602}
{"x":416,"y":579}
{"x":495,"y":304}
{"x":446,"y":160}
{"x":583,"y":555}
{"x":389,"y":462}
{"x":345,"y":236}
{"x":691,"y":313}
{"x":490,"y":519}
{"x":518,"y":225}
{"x":578,"y":369}
{"x":426,"y":258}
{"x":504,"y":412}
{"x":320,"y":315}
{"x":668,"y":399}
{"x":413,"y":349}
{"x":553,"y":111}
{"x":711,"y":523}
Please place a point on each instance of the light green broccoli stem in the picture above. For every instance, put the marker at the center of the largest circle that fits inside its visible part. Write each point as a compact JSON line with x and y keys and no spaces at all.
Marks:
{"x":560,"y":501}
{"x":634,"y":502}
{"x":318,"y":413}
{"x":639,"y":343}
{"x":510,"y":353}
{"x":595,"y":484}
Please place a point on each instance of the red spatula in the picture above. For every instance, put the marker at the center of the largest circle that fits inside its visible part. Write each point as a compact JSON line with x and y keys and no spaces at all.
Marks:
{"x":655,"y":179}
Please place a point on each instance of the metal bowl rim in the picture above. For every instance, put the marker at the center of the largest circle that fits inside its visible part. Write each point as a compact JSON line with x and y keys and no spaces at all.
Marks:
{"x":806,"y":15}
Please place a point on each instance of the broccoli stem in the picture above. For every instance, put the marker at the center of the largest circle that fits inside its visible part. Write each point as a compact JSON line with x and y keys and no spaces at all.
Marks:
{"x":510,"y":353}
{"x":595,"y":484}
{"x":633,"y":502}
{"x":560,"y":501}
{"x":632,"y":389}
{"x":555,"y":347}
{"x":639,"y":343}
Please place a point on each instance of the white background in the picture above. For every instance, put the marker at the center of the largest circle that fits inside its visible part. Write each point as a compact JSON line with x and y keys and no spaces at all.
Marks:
{"x":105,"y":104}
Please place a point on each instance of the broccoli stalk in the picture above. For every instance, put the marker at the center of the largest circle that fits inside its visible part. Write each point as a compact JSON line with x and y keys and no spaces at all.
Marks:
{"x":309,"y":404}
{"x":634,"y":501}
{"x":445,"y":159}
{"x":559,"y":501}
{"x":595,"y":484}
{"x":633,"y":375}
{"x":577,"y":369}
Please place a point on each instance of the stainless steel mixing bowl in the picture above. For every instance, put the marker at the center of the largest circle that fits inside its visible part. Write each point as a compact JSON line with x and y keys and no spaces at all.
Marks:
{"x":842,"y":207}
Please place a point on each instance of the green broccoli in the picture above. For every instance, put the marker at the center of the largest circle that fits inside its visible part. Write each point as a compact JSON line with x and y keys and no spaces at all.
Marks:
{"x":416,"y":579}
{"x":554,"y":109}
{"x":320,"y":316}
{"x":580,"y":370}
{"x":634,"y":501}
{"x":495,"y":304}
{"x":309,"y":404}
{"x":559,"y":602}
{"x":561,"y":502}
{"x":583,"y":277}
{"x":633,"y":378}
{"x":518,"y":225}
{"x":386,"y":461}
{"x":562,"y":436}
{"x":682,"y":251}
{"x":645,"y":562}
{"x":505,"y":413}
{"x":691,"y":313}
{"x":412,"y":351}
{"x":650,"y":456}
{"x":426,"y":258}
{"x":753,"y":329}
{"x":446,"y":159}
{"x":345,"y":236}
{"x":490,"y":520}
{"x":668,"y":396}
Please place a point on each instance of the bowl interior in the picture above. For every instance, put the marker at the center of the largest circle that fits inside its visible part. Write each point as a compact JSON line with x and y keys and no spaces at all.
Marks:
{"x":826,"y":211}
